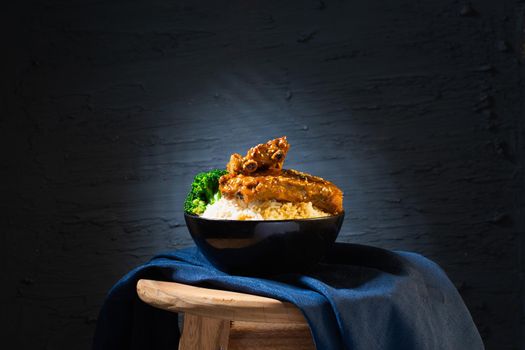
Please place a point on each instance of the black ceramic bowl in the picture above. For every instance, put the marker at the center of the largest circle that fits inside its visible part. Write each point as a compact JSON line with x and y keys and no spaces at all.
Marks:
{"x":255,"y":247}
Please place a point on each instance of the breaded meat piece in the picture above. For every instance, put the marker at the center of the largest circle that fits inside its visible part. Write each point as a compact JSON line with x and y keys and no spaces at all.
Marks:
{"x":289,"y":185}
{"x":265,"y":158}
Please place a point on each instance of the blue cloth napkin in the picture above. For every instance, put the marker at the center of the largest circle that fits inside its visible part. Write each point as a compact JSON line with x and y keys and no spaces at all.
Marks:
{"x":359,"y":298}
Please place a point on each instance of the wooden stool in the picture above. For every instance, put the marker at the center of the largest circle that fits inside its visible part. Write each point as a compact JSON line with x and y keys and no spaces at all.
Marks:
{"x":217,"y":319}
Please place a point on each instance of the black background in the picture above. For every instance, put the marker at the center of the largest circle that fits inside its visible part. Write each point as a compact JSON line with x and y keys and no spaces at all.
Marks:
{"x":414,"y":108}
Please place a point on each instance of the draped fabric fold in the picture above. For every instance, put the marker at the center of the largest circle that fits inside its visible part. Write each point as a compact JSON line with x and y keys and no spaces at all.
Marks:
{"x":360,"y":297}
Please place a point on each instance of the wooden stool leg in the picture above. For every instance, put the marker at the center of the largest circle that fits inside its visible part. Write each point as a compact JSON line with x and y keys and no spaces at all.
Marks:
{"x":204,"y":333}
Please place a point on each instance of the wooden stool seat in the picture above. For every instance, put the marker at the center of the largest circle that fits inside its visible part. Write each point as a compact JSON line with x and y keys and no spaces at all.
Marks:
{"x":217,"y":319}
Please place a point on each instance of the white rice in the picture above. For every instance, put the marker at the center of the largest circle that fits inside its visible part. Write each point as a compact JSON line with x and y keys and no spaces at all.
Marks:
{"x":236,"y":209}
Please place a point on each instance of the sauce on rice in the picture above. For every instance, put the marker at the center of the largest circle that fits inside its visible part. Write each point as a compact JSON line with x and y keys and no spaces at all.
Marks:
{"x":236,"y":209}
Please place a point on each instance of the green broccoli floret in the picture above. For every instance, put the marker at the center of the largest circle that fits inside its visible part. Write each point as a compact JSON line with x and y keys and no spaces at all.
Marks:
{"x":204,"y":191}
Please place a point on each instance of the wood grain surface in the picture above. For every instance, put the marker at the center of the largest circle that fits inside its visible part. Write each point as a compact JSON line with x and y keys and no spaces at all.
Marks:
{"x":269,"y":336}
{"x":204,"y":333}
{"x":217,"y":319}
{"x":213,"y":303}
{"x":414,"y":108}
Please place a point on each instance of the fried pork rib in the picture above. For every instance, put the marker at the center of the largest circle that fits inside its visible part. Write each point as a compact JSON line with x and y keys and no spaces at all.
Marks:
{"x":267,"y":158}
{"x":289,"y":185}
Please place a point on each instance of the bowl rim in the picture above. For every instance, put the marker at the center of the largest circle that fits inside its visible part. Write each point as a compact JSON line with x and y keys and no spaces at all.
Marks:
{"x":320,"y":218}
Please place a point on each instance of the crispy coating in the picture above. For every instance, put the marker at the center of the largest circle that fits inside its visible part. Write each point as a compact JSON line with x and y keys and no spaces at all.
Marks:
{"x":289,"y":185}
{"x":265,"y":158}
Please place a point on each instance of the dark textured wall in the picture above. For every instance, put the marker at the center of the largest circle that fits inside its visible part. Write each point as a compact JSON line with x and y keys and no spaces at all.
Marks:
{"x":414,"y":108}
